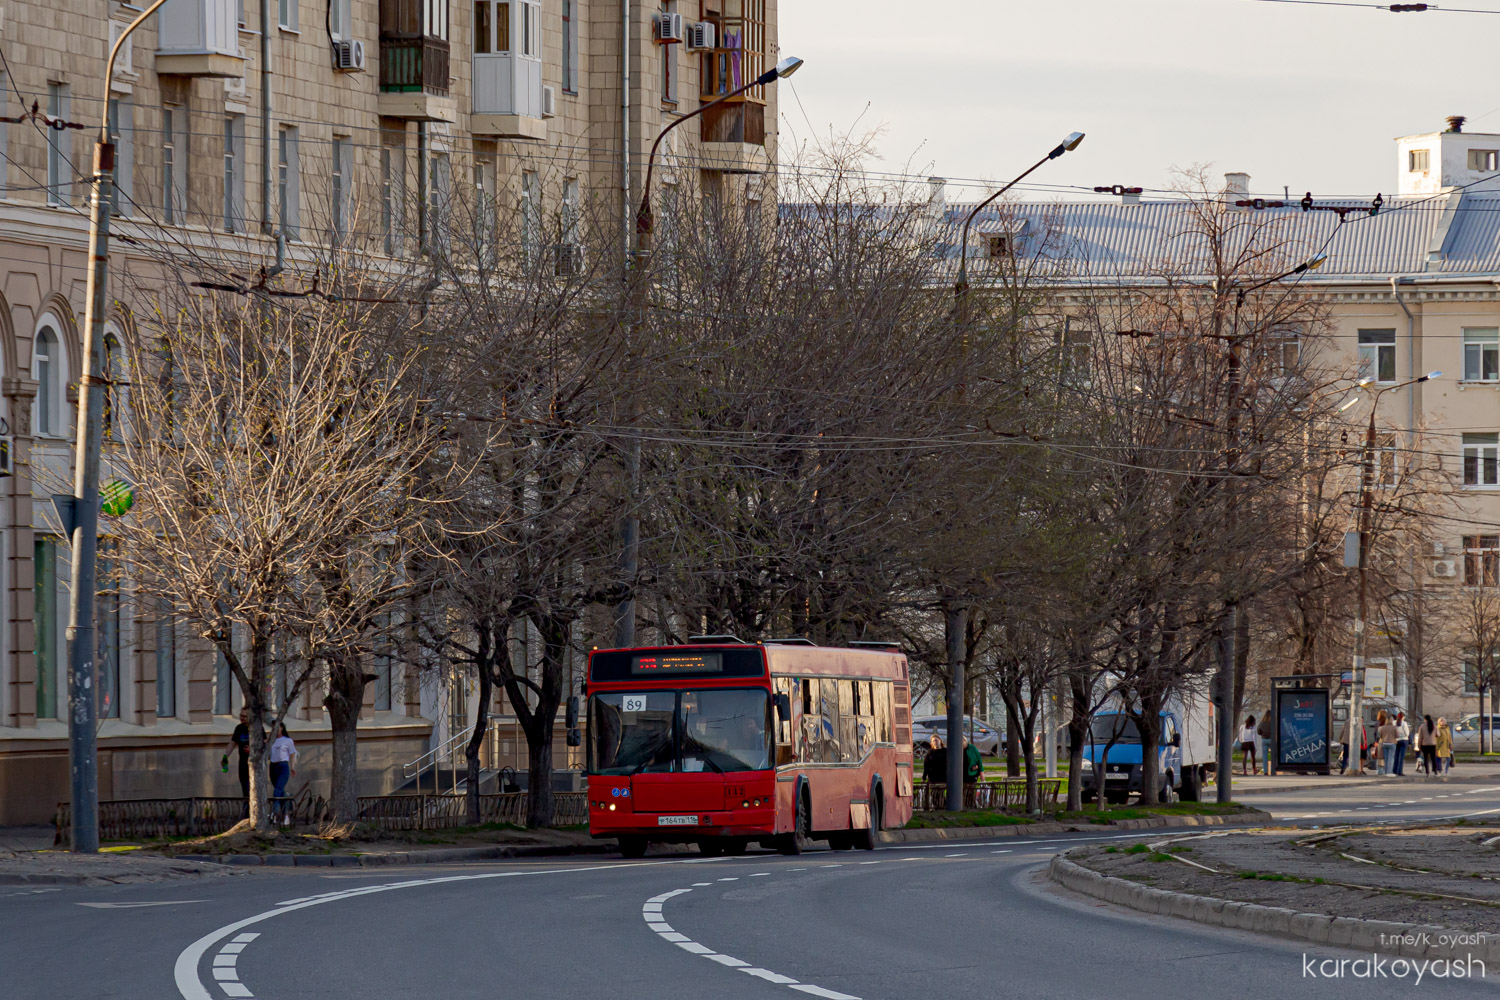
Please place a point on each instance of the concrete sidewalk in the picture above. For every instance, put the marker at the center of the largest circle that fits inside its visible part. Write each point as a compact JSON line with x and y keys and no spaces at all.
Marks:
{"x":1260,"y":784}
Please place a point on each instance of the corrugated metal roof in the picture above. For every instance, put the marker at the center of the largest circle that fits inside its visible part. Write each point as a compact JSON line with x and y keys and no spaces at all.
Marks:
{"x":1101,"y":240}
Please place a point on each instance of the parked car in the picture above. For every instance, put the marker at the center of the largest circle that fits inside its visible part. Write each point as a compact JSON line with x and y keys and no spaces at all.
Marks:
{"x":1466,"y":733}
{"x":988,"y":740}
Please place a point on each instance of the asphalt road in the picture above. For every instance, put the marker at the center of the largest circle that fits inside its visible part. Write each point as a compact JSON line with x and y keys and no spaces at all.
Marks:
{"x":950,"y":920}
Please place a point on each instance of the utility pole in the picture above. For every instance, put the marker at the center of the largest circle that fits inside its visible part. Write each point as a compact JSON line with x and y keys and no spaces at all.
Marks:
{"x":955,"y":624}
{"x":81,"y":514}
{"x":1228,"y":652}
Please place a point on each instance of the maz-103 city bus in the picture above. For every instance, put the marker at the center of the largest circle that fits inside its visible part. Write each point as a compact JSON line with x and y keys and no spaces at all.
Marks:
{"x":722,"y":742}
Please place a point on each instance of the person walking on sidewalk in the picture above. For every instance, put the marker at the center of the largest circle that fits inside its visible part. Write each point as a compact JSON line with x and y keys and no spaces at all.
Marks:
{"x":1386,"y":732}
{"x":1403,"y":741}
{"x":1247,"y":746}
{"x":1427,"y":744}
{"x":283,"y":767}
{"x":1348,"y":740}
{"x":239,"y":740}
{"x":1444,"y":746}
{"x":1264,"y":731}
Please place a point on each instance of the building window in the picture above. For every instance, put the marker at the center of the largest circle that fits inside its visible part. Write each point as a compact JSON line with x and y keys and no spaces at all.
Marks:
{"x":1385,"y":460}
{"x":166,"y":662}
{"x":569,"y":46}
{"x":234,"y":173}
{"x":286,"y":14}
{"x":339,"y":19}
{"x":1377,"y":355}
{"x":1482,"y":560}
{"x":122,"y":134}
{"x":393,"y":194}
{"x":59,"y":176}
{"x":174,"y":159}
{"x":288,"y":182}
{"x":223,"y":684}
{"x":435,"y":19}
{"x":531,"y":215}
{"x":1076,"y":351}
{"x":1283,"y":349}
{"x":491,"y":28}
{"x":1416,"y":161}
{"x":1481,"y":354}
{"x":343,"y":151}
{"x":1483,"y":160}
{"x":531,"y":29}
{"x":4,"y":130}
{"x":114,"y":372}
{"x":47,"y":369}
{"x":485,"y":179}
{"x":44,"y":623}
{"x":668,"y":62}
{"x":1482,"y":459}
{"x":439,"y":199}
{"x":109,"y":640}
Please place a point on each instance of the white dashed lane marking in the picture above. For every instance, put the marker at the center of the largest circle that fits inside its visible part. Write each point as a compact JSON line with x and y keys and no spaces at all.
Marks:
{"x":226,"y":973}
{"x":651,"y":913}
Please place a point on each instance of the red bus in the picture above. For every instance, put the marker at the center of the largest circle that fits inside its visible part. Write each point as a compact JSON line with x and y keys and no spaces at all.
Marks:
{"x":722,"y":742}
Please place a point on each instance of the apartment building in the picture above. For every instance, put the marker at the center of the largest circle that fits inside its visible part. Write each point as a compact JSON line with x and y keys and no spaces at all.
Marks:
{"x":1412,"y":288}
{"x":349,"y":121}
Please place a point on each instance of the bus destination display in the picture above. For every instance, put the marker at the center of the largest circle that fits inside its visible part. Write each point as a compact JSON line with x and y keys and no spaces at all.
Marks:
{"x":659,"y":664}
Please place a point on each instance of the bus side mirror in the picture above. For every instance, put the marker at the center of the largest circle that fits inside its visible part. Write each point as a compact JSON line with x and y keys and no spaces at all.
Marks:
{"x":575,"y":737}
{"x":783,"y":707}
{"x":572,"y":716}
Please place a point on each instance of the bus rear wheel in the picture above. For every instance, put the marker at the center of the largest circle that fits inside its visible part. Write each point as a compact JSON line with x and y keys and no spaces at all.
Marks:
{"x":800,"y":839}
{"x":866,"y":840}
{"x":632,"y":847}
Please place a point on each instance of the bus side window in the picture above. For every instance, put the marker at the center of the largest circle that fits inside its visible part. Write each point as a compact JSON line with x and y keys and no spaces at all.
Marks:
{"x":848,"y":723}
{"x":784,"y":749}
{"x":883,"y":711}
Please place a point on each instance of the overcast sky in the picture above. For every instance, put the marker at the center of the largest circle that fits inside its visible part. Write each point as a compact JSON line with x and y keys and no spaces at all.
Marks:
{"x":1304,"y":96}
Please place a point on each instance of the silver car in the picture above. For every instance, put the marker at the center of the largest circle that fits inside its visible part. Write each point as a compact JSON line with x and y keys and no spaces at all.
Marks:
{"x":988,"y":740}
{"x":1466,"y":733}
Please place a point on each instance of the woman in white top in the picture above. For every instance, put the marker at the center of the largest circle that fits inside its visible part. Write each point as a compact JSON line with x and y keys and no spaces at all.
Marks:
{"x":1247,"y":746}
{"x":283,"y":767}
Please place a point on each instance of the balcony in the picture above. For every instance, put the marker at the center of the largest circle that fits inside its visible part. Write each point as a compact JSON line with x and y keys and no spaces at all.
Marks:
{"x":199,"y":38}
{"x":734,"y":138}
{"x":508,"y":97}
{"x":414,"y":61}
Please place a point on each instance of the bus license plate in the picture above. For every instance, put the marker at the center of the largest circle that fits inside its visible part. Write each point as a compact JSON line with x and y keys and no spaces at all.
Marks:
{"x":677,"y":821}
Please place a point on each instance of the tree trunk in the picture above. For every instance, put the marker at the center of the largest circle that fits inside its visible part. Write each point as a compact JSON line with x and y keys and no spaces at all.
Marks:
{"x":1028,"y":740}
{"x":1078,"y":731}
{"x":1012,"y":732}
{"x":481,"y":729}
{"x":1241,"y":659}
{"x":346,"y":693}
{"x":540,"y":803}
{"x":260,"y":778}
{"x":1149,"y":724}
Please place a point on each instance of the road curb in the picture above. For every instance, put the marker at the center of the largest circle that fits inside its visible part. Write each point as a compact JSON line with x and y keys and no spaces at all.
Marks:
{"x":1422,"y":941}
{"x":375,"y":860}
{"x":1250,"y":817}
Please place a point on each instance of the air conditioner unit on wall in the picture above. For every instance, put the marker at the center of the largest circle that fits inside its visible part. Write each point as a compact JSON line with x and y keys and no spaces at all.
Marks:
{"x":701,"y":35}
{"x":349,"y":56}
{"x":549,"y":101}
{"x":668,"y":28}
{"x":1445,"y":567}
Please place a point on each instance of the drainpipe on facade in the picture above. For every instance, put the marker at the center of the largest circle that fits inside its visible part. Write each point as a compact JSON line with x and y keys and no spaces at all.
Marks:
{"x":625,"y":134}
{"x":265,"y":117}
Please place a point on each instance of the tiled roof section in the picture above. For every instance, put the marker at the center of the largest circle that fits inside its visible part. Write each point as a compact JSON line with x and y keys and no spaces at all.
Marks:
{"x":1102,"y":240}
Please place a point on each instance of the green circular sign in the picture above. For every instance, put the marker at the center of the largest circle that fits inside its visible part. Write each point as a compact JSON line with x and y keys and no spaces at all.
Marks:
{"x":116,"y":498}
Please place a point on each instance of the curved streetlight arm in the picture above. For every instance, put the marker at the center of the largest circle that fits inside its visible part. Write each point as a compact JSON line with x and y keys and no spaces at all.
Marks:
{"x":1311,"y":264}
{"x":963,"y":247}
{"x":644,"y":223}
{"x":109,"y":66}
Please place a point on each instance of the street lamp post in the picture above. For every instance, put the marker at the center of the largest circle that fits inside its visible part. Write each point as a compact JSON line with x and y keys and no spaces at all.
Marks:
{"x":1366,"y":509}
{"x":1228,"y":651}
{"x":638,"y":276}
{"x":955,"y":614}
{"x":81,"y":516}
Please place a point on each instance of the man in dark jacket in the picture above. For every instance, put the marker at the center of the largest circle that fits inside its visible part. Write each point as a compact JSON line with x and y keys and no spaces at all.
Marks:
{"x":935,"y":766}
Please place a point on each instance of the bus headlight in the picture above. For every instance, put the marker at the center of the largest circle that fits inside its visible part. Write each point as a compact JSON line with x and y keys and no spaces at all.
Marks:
{"x":1086,"y":765}
{"x":611,"y":807}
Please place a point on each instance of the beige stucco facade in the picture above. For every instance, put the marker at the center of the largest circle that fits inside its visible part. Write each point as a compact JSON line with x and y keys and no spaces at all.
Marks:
{"x":515,"y":105}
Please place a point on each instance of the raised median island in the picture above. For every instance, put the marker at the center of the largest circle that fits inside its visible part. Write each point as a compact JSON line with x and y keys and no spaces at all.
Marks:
{"x":1417,"y":891}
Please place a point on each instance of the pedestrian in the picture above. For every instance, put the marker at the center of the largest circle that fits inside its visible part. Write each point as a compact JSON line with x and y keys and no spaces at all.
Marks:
{"x":283,"y":767}
{"x":1264,"y":731}
{"x":935,"y":765}
{"x":1247,"y":746}
{"x":1348,"y":741}
{"x":1386,"y":732}
{"x":239,"y":741}
{"x":1427,"y":744}
{"x":973,"y":763}
{"x":1444,"y":746}
{"x":1403,"y":742}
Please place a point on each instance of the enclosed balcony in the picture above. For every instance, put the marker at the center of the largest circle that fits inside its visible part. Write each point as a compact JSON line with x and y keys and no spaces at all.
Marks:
{"x":414,"y":60}
{"x":734,"y":133}
{"x":509,"y":99}
{"x":199,"y":38}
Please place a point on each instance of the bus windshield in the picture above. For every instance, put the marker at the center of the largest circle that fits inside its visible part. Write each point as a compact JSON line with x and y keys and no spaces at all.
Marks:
{"x":717,"y":730}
